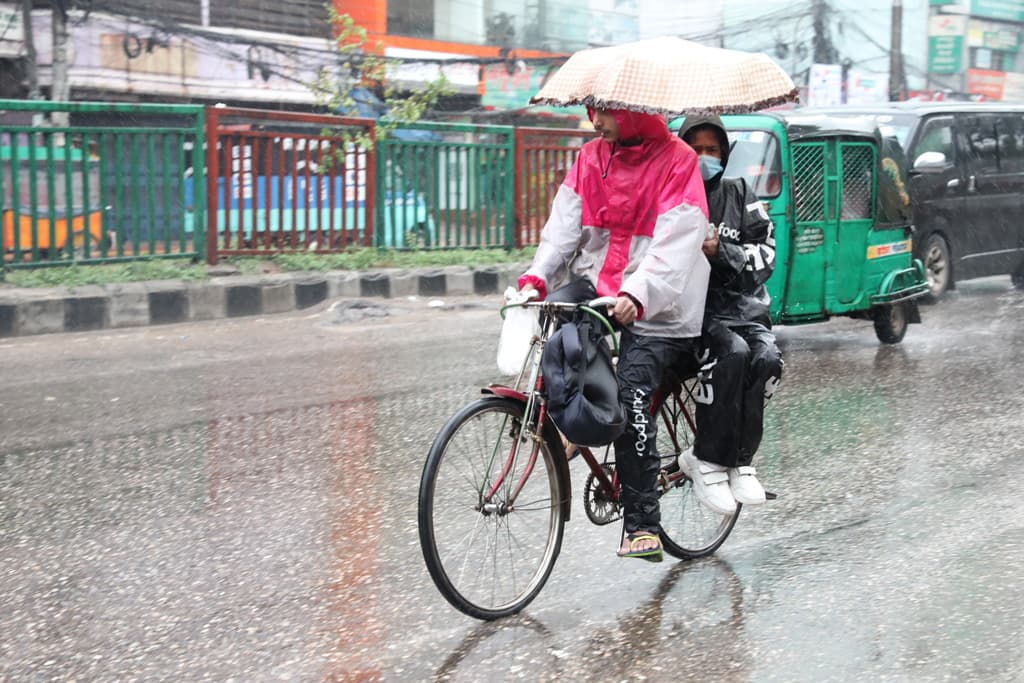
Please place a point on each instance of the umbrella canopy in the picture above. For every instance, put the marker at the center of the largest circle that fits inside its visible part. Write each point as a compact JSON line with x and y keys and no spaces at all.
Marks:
{"x":668,"y":76}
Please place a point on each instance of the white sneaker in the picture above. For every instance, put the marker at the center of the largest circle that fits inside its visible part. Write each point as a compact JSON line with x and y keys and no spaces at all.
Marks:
{"x":744,"y":485}
{"x":710,"y":483}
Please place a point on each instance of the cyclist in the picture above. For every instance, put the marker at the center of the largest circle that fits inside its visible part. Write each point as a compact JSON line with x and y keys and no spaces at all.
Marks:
{"x":740,"y":364}
{"x":628,"y":222}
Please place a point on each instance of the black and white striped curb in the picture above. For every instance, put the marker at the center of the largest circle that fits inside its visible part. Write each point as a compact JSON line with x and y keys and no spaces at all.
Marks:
{"x":95,"y":307}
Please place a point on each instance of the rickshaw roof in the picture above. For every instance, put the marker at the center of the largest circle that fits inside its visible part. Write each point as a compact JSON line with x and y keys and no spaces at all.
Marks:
{"x":800,"y":124}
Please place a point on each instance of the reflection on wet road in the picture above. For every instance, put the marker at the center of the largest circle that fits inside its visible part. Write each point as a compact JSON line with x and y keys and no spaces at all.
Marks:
{"x":237,"y":500}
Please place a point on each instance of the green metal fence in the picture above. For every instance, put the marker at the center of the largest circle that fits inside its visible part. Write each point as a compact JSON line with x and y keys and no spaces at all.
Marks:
{"x":118,"y":183}
{"x":443,"y":186}
{"x":130,"y":181}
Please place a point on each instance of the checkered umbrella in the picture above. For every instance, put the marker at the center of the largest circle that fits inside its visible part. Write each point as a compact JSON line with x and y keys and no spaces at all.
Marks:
{"x":669,"y":76}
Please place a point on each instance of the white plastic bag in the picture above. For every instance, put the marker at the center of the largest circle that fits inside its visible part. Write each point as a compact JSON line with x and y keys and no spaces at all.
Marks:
{"x":520,"y":326}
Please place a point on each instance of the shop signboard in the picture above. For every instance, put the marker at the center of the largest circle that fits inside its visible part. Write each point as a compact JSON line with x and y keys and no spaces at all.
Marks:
{"x":988,"y":84}
{"x":1003,"y":10}
{"x":946,"y":43}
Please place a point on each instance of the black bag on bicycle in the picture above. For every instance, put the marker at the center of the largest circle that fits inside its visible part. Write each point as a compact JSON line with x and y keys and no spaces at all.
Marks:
{"x":580,"y":384}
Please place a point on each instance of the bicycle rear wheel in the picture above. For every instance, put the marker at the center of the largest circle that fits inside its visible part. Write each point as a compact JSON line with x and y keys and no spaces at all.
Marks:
{"x":489,"y":557}
{"x":689,"y":529}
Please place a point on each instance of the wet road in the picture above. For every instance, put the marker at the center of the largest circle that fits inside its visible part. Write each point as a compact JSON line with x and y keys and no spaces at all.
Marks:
{"x":236,"y":501}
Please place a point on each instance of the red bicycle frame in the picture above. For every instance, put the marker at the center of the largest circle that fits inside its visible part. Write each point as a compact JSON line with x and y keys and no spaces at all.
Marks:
{"x":610,"y":485}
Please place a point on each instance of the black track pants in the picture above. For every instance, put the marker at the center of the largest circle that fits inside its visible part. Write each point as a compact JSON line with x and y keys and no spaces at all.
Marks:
{"x":740,"y":369}
{"x":642,"y":360}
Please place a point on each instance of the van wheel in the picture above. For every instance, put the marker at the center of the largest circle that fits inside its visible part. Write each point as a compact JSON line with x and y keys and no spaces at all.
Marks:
{"x":1018,"y":277}
{"x":891,"y":323}
{"x":938,"y":270}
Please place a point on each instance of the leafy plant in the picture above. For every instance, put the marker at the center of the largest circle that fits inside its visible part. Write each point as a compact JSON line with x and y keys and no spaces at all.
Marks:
{"x":362,"y":65}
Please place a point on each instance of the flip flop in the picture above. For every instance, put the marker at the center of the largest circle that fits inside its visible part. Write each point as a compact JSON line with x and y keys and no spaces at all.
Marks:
{"x":649,"y":554}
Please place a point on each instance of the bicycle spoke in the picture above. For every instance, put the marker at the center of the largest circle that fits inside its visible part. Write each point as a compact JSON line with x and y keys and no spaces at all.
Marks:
{"x":511,"y":555}
{"x":469,"y":541}
{"x":536,"y":505}
{"x":478,"y":470}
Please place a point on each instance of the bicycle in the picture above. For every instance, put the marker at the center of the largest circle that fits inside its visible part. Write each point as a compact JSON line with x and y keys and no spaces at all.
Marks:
{"x":495,"y":492}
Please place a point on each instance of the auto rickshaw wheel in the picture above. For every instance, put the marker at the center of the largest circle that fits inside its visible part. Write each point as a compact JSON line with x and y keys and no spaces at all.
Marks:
{"x":937,"y":266}
{"x":891,"y":323}
{"x":1018,"y":277}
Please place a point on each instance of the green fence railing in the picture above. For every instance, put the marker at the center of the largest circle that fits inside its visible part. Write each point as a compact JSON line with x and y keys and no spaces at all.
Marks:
{"x":129,"y":181}
{"x":444,"y":185}
{"x":118,"y":183}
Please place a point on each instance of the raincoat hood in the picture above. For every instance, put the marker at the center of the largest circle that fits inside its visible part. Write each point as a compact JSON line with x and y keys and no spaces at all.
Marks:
{"x":715,"y":122}
{"x":635,"y":126}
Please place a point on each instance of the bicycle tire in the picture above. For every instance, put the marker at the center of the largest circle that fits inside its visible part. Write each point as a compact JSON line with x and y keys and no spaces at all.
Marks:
{"x":689,"y":529}
{"x":489,"y":562}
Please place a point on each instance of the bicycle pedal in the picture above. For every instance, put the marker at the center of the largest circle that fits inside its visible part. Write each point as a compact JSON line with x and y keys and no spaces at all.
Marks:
{"x":768,"y":495}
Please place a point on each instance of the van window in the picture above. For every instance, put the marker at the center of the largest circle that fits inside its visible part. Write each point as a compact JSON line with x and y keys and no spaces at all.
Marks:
{"x":982,"y":147}
{"x":1010,"y":128}
{"x":936,"y":136}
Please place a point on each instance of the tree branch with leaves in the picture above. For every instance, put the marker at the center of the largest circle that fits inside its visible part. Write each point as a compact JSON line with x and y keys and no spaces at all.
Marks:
{"x":362,"y":66}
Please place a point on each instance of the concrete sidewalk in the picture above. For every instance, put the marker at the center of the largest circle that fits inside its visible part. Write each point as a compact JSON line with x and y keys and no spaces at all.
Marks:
{"x":28,"y":311}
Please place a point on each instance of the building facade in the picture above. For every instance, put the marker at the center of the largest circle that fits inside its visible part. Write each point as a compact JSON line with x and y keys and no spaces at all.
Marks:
{"x":494,"y":53}
{"x":974,"y":47}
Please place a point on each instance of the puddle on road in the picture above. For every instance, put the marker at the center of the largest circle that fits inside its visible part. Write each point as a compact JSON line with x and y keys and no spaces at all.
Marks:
{"x":356,"y":311}
{"x":361,"y":310}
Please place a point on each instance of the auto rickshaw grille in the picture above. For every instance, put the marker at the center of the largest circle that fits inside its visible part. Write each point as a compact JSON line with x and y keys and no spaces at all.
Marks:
{"x":858,"y":162}
{"x":809,"y":182}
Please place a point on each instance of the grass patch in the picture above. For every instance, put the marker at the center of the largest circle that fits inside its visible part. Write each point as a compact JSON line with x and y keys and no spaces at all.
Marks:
{"x":162,"y":269}
{"x":133,"y":271}
{"x":361,"y":259}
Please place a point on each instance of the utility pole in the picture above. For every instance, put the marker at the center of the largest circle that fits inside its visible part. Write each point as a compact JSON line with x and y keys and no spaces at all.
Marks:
{"x":31,"y":65}
{"x":824,"y":52}
{"x":896,"y":53}
{"x":60,"y":90}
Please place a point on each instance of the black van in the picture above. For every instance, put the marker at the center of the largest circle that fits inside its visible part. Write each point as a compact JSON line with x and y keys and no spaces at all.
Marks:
{"x":966,"y":176}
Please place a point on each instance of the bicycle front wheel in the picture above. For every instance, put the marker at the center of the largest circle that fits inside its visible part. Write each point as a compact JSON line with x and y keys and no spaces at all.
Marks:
{"x":689,"y":529}
{"x":489,"y":553}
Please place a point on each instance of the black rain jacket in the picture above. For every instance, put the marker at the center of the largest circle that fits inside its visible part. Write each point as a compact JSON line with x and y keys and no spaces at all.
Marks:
{"x":746,"y":247}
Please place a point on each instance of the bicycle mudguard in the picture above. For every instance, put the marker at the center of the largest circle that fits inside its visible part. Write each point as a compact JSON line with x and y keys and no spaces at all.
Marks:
{"x":551,"y":436}
{"x":504,"y":392}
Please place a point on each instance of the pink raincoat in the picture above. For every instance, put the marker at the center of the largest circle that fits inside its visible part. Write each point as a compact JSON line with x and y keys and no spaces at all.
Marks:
{"x":631,"y":219}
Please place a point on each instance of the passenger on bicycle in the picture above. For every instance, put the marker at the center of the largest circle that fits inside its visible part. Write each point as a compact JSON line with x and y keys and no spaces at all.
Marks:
{"x":628,"y":222}
{"x":740,"y":364}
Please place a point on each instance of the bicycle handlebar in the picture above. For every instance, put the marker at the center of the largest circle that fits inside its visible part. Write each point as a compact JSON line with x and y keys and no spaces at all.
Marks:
{"x":560,"y":305}
{"x":590,"y":307}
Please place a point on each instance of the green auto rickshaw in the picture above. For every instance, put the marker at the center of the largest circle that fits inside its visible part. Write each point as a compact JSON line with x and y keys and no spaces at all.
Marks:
{"x":836,"y":192}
